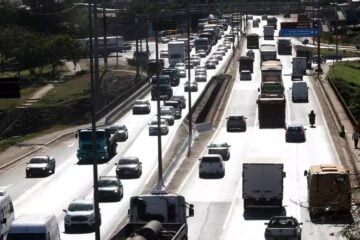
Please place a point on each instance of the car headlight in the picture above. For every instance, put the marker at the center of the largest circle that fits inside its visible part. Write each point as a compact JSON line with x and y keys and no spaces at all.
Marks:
{"x":28,"y":168}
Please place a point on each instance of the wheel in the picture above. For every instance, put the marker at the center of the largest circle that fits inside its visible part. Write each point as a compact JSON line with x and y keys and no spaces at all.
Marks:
{"x":67,"y":228}
{"x":28,"y":175}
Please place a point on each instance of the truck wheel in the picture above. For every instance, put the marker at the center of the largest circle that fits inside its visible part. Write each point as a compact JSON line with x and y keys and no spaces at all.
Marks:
{"x":28,"y":175}
{"x":67,"y":228}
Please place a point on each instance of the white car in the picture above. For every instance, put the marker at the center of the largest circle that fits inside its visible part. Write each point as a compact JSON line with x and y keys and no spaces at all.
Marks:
{"x":153,"y":127}
{"x":181,"y":69}
{"x":211,"y":166}
{"x":200,"y":77}
{"x":80,"y":213}
{"x":141,"y":107}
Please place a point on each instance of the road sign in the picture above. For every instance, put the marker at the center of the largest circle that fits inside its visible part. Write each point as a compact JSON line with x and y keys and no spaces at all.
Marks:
{"x":299,"y":32}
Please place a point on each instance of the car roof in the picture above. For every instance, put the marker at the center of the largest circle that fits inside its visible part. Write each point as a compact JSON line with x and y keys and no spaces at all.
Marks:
{"x":83,"y":201}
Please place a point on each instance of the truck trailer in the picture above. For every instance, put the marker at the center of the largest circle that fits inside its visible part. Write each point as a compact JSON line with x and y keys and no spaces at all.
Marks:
{"x":263,"y":183}
{"x":268,"y":32}
{"x":271,"y":70}
{"x":159,"y":215}
{"x":284,"y":47}
{"x":267,"y":52}
{"x":176,"y":51}
{"x":271,"y":111}
{"x":246,"y":63}
{"x":252,"y":41}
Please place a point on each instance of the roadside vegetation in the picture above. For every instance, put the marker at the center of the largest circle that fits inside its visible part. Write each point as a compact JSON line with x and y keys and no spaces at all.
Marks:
{"x":346,"y":78}
{"x":331,"y":51}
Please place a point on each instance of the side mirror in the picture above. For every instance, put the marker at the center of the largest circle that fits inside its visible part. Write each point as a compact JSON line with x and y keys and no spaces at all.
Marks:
{"x":191,"y":210}
{"x":301,"y":223}
{"x":258,"y":89}
{"x":305,"y":173}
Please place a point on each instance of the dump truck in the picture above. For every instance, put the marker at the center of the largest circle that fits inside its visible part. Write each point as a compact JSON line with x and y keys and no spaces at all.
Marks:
{"x":268,"y":32}
{"x":267,"y":52}
{"x":271,"y":70}
{"x":252,"y":41}
{"x":272,"y":111}
{"x":160,"y":214}
{"x":263,"y":183}
{"x":329,"y":189}
{"x":106,"y":143}
{"x":284,"y":47}
{"x":246,"y":63}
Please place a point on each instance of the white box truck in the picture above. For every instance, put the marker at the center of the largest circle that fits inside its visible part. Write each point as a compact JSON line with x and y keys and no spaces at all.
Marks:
{"x":263,"y":183}
{"x":176,"y":51}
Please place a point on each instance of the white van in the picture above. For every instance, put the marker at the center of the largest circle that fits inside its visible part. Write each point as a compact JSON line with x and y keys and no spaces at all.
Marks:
{"x":34,"y":226}
{"x":6,"y":213}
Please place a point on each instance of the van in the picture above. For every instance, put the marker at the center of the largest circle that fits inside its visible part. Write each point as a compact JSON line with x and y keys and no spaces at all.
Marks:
{"x":300,"y":92}
{"x":34,"y":226}
{"x":6,"y":213}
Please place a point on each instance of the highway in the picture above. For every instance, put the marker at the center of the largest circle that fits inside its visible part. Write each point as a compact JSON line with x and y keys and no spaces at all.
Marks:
{"x":218,"y":203}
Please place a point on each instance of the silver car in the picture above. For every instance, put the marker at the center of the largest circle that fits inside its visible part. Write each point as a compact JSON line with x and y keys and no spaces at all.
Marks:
{"x":153,"y":127}
{"x":141,"y":107}
{"x":80,"y":213}
{"x":200,"y":77}
{"x":168,"y":115}
{"x":220,"y":148}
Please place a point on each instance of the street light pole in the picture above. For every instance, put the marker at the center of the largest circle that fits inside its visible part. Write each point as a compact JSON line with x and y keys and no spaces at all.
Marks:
{"x":189,"y":76}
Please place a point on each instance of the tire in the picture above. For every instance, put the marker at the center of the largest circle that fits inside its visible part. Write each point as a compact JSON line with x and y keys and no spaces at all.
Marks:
{"x":28,"y":175}
{"x":67,"y":228}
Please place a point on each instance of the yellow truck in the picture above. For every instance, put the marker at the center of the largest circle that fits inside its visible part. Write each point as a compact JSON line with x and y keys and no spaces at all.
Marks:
{"x":329,"y":189}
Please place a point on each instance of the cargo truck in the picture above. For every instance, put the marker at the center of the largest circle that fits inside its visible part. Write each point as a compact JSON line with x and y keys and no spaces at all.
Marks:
{"x":202,"y":44}
{"x":300,"y":52}
{"x":329,"y":190}
{"x":271,"y":70}
{"x":267,"y":52}
{"x":268,"y":32}
{"x":263,"y":183}
{"x":106,"y":143}
{"x":271,"y":111}
{"x":176,"y":51}
{"x":284,"y":47}
{"x":159,"y":216}
{"x":252,"y":41}
{"x":246,"y":63}
{"x":298,"y":68}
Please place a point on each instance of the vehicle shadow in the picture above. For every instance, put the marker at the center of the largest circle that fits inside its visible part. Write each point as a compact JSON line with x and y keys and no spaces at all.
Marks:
{"x":263,"y":213}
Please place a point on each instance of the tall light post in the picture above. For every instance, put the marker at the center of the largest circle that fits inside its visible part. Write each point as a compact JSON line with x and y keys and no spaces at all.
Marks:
{"x":189,"y":75}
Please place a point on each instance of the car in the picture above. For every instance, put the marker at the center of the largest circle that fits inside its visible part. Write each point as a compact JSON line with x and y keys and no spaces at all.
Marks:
{"x":40,"y":165}
{"x":245,"y":75}
{"x":153,"y":127}
{"x":173,"y":75}
{"x":220,"y":148}
{"x":195,"y":60}
{"x":200,"y":77}
{"x":255,"y":24}
{"x":191,"y":64}
{"x":176,"y":104}
{"x":227,"y":44}
{"x":190,"y":87}
{"x":299,"y":92}
{"x":230,"y":37}
{"x":213,"y":58}
{"x":200,"y":68}
{"x":180,"y":99}
{"x":250,"y":54}
{"x":80,"y":213}
{"x":236,"y":123}
{"x":216,"y":56}
{"x":164,"y":53}
{"x":168,"y":115}
{"x":295,"y":133}
{"x":181,"y":69}
{"x":221,"y":51}
{"x":164,"y":39}
{"x":141,"y":107}
{"x":210,"y":64}
{"x":110,"y":188}
{"x":305,"y":41}
{"x":120,"y":130}
{"x":211,"y":166}
{"x":283,"y":227}
{"x":202,"y":53}
{"x":128,"y":167}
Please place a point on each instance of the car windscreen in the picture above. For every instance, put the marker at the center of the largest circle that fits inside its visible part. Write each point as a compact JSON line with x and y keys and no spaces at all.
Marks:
{"x":282,"y":222}
{"x":38,"y":160}
{"x":294,"y":129}
{"x":80,"y":207}
{"x":26,"y":236}
{"x":107,"y":183}
{"x":210,"y":160}
{"x":126,"y":161}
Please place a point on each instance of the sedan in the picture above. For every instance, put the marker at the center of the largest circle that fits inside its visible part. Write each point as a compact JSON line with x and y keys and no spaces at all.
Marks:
{"x":192,"y":87}
{"x":221,"y":51}
{"x":220,"y":148}
{"x":40,"y":165}
{"x":168,"y":115}
{"x":295,"y":133}
{"x":128,"y":167}
{"x":202,"y":53}
{"x":153,"y":127}
{"x":283,"y":227}
{"x":110,"y":188}
{"x":200,"y":77}
{"x":210,"y":64}
{"x":211,"y":166}
{"x":236,"y":123}
{"x":141,"y":107}
{"x":195,"y":60}
{"x":120,"y":131}
{"x":214,"y":58}
{"x":164,"y":53}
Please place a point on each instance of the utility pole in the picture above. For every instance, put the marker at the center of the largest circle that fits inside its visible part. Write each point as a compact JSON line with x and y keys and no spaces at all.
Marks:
{"x":189,"y":76}
{"x":137,"y":51}
{"x":105,"y":40}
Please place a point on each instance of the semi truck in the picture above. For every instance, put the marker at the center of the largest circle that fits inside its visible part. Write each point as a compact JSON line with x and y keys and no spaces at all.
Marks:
{"x":267,"y":52}
{"x":329,"y":189}
{"x":271,"y":70}
{"x":106,"y":143}
{"x":246,"y":63}
{"x":252,"y":41}
{"x":263,"y":183}
{"x":284,"y":47}
{"x":159,"y":214}
{"x":176,"y":51}
{"x":268,"y":32}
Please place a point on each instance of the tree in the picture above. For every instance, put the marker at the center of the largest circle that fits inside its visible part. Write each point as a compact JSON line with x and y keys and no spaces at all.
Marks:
{"x":74,"y":52}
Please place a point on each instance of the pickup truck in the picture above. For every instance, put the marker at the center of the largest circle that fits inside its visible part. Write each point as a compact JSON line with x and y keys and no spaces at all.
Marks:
{"x":281,"y":227}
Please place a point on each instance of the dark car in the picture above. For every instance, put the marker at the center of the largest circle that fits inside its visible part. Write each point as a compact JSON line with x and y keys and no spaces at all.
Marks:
{"x":180,"y":99}
{"x":236,"y":123}
{"x":295,"y":133}
{"x":250,"y":54}
{"x":128,"y":167}
{"x":282,"y":227}
{"x":40,"y":165}
{"x":191,"y":87}
{"x":305,"y":41}
{"x":173,"y":74}
{"x":141,"y":107}
{"x":121,"y":131}
{"x":110,"y":188}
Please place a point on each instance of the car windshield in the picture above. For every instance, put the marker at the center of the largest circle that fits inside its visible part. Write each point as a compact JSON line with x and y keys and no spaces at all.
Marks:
{"x":127,"y":161}
{"x":295,"y":129}
{"x":107,"y":183}
{"x":74,"y":207}
{"x":210,"y":160}
{"x":282,"y":222}
{"x":218,"y":145}
{"x":236,"y":118}
{"x":139,"y":102}
{"x":38,"y":160}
